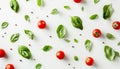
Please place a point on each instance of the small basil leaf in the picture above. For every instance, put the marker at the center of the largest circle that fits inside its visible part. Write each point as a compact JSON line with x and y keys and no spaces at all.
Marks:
{"x":96,"y":1}
{"x":110,"y":53}
{"x":40,"y":3}
{"x":88,"y":45}
{"x":67,"y":7}
{"x":82,"y":8}
{"x":110,"y":36}
{"x":29,"y":34}
{"x":14,"y":37}
{"x":38,"y":66}
{"x":107,"y":11}
{"x":76,"y":40}
{"x":47,"y":48}
{"x":77,"y":22}
{"x":24,"y":52}
{"x":118,"y":43}
{"x":67,"y":40}
{"x":61,"y":31}
{"x":76,"y":58}
{"x":14,"y":5}
{"x":54,"y":11}
{"x":27,"y":18}
{"x":4,"y":25}
{"x":93,"y":17}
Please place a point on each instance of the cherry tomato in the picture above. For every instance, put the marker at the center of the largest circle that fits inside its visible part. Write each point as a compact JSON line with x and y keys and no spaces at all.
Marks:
{"x":116,"y":25}
{"x":96,"y":33}
{"x":2,"y":53}
{"x":77,"y":1}
{"x":60,"y":55}
{"x":41,"y":24}
{"x":89,"y":61}
{"x":9,"y":66}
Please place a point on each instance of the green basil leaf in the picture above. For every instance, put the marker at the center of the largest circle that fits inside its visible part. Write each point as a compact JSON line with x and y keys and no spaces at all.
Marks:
{"x":96,"y":1}
{"x":61,"y":31}
{"x":14,"y":5}
{"x":93,"y":17}
{"x":110,"y":53}
{"x":38,"y":66}
{"x":76,"y":40}
{"x":82,"y":8}
{"x":88,"y":45}
{"x":4,"y":25}
{"x":47,"y":48}
{"x":54,"y":11}
{"x":118,"y":43}
{"x":40,"y":3}
{"x":27,"y":18}
{"x":29,"y":34}
{"x":76,"y":58}
{"x":24,"y":52}
{"x":107,"y":11}
{"x":77,"y":22}
{"x":67,"y":7}
{"x":14,"y":37}
{"x":67,"y":40}
{"x":110,"y":36}
{"x":27,"y":0}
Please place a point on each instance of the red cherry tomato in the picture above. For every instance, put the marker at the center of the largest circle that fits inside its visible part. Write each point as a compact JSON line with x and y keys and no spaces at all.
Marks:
{"x":77,"y":1}
{"x":89,"y":61}
{"x":96,"y":33}
{"x":2,"y":53}
{"x":116,"y":25}
{"x":9,"y":66}
{"x":41,"y":24}
{"x":60,"y":55}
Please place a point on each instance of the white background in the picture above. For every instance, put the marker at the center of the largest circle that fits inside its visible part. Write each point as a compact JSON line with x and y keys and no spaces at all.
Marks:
{"x":49,"y":60}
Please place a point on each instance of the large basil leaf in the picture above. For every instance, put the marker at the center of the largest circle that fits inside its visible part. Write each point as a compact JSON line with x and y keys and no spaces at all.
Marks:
{"x":107,"y":11}
{"x":77,"y":22}
{"x":14,"y":5}
{"x":24,"y":52}
{"x":110,"y":53}
{"x":61,"y":31}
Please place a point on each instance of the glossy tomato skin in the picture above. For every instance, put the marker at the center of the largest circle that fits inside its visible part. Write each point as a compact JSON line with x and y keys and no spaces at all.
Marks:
{"x":9,"y":66}
{"x":116,"y":25}
{"x":2,"y":53}
{"x":41,"y":24}
{"x":89,"y":61}
{"x":96,"y":33}
{"x":77,"y":1}
{"x":60,"y":55}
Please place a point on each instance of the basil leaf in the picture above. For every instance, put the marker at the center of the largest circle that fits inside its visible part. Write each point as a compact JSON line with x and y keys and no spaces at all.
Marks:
{"x":93,"y":17}
{"x":77,"y":22}
{"x":67,"y":7}
{"x":29,"y":34}
{"x":38,"y":66}
{"x":76,"y":58}
{"x":4,"y":25}
{"x":96,"y":1}
{"x":24,"y":52}
{"x":82,"y":8}
{"x":76,"y":40}
{"x":110,"y":36}
{"x":47,"y":48}
{"x":118,"y":43}
{"x":40,"y":3}
{"x":61,"y":31}
{"x":14,"y":37}
{"x":27,"y":18}
{"x":67,"y":40}
{"x":107,"y":11}
{"x":14,"y":5}
{"x":54,"y":11}
{"x":27,"y":0}
{"x":110,"y":53}
{"x":88,"y":45}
